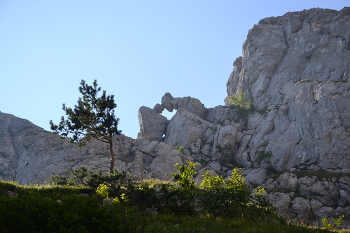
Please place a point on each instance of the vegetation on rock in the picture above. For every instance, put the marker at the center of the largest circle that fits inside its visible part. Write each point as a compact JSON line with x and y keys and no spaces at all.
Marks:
{"x":148,"y":206}
{"x":240,"y":100}
{"x":93,"y":117}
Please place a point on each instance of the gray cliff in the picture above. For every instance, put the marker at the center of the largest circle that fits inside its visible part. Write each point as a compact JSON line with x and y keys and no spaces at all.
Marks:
{"x":297,"y":67}
{"x":295,"y":70}
{"x":29,"y":154}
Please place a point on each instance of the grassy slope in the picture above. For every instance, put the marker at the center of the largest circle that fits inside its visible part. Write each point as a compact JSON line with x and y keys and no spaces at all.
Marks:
{"x":64,"y":209}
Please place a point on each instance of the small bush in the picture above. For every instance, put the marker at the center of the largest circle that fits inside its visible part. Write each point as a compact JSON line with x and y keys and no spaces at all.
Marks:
{"x":87,"y":177}
{"x":240,"y":100}
{"x":336,"y":223}
{"x":180,"y":148}
{"x":263,"y":156}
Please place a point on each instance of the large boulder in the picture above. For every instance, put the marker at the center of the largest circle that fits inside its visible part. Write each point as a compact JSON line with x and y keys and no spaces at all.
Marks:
{"x":152,"y":124}
{"x":183,"y":129}
{"x":166,"y":101}
{"x":193,"y":105}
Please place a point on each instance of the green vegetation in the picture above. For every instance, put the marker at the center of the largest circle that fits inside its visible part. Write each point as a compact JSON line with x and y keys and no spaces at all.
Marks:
{"x":319,"y":174}
{"x":240,"y":100}
{"x":93,"y":117}
{"x":87,"y":177}
{"x":336,"y":223}
{"x":243,"y":106}
{"x":263,"y":156}
{"x":217,"y":205}
{"x":180,"y":148}
{"x":340,"y":81}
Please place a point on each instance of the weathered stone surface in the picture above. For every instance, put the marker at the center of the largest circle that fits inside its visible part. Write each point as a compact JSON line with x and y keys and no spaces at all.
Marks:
{"x":183,"y":129}
{"x":302,"y":208}
{"x":281,"y":202}
{"x":227,"y":137}
{"x":166,"y":101}
{"x":297,"y":67}
{"x":193,"y":105}
{"x":323,"y":194}
{"x":256,"y":176}
{"x":220,"y":114}
{"x":30,"y":154}
{"x":295,"y":70}
{"x":152,"y":124}
{"x":158,"y":108}
{"x":288,"y":181}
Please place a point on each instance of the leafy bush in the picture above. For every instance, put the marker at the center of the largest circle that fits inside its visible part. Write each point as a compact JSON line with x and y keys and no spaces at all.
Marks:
{"x":336,"y":223}
{"x":102,"y":190}
{"x":64,"y":209}
{"x":185,"y":176}
{"x":179,"y":198}
{"x":180,"y":148}
{"x":87,"y":177}
{"x":72,"y":213}
{"x":240,"y":100}
{"x":230,"y":198}
{"x":263,"y":156}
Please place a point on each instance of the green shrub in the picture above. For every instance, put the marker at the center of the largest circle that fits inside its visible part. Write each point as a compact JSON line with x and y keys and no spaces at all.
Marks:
{"x":224,"y":198}
{"x":263,"y":156}
{"x":72,"y":213}
{"x":87,"y":177}
{"x":63,"y":209}
{"x":180,"y":148}
{"x":184,"y":177}
{"x":336,"y":223}
{"x":240,"y":100}
{"x":102,"y":190}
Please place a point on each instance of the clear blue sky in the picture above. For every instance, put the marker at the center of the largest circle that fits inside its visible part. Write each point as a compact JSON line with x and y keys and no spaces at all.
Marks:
{"x":137,"y":51}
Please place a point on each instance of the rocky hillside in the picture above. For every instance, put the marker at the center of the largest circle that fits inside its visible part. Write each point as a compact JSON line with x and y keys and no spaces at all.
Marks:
{"x":295,"y":71}
{"x":29,"y":154}
{"x":294,"y":141}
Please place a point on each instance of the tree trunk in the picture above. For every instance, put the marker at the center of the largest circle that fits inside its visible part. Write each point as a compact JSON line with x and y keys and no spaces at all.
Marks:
{"x":111,"y":168}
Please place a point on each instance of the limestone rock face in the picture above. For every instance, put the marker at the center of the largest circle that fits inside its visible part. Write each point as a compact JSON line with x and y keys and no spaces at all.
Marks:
{"x":311,"y":198}
{"x":183,"y":129}
{"x":296,"y":67}
{"x":295,"y":71}
{"x":166,"y":101}
{"x":191,"y":104}
{"x":152,"y":124}
{"x":30,"y":154}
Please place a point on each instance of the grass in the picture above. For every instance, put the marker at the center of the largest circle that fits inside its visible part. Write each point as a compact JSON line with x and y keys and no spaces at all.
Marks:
{"x":51,"y":208}
{"x":320,"y":174}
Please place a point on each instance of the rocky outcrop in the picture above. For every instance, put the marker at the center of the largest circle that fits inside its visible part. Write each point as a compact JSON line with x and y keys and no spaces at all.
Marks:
{"x":191,"y":104}
{"x":310,"y":198}
{"x":297,"y":68}
{"x":30,"y":154}
{"x":152,"y":124}
{"x":295,"y":71}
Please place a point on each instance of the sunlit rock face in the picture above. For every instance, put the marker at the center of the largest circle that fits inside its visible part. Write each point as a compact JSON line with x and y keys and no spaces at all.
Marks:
{"x":152,"y":124}
{"x":29,"y":154}
{"x":295,"y":71}
{"x":297,"y":67}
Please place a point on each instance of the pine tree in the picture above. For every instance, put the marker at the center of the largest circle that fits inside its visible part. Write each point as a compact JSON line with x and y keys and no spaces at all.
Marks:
{"x":92,"y":117}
